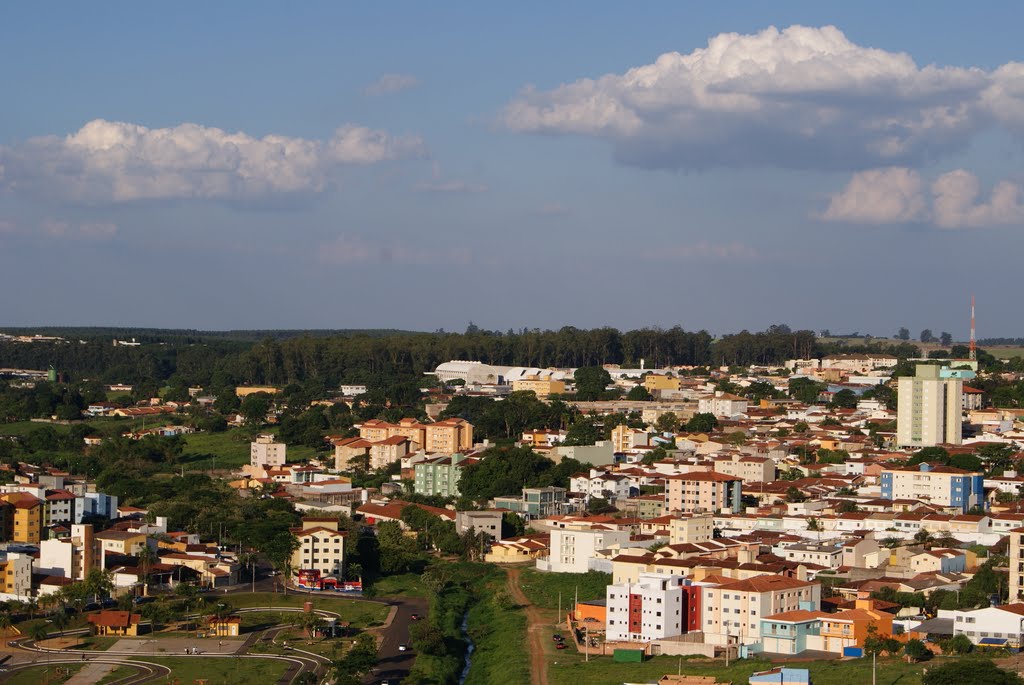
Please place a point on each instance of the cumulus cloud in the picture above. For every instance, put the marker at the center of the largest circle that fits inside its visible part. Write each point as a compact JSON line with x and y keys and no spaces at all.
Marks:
{"x":956,"y":202}
{"x":109,"y":161}
{"x":705,"y":251}
{"x":391,"y":83}
{"x":348,"y":250}
{"x":879,"y":196}
{"x":897,"y":195}
{"x":802,"y":97}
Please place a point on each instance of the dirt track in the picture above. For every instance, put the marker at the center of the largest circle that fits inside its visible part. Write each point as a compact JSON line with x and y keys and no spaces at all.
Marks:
{"x":534,"y":629}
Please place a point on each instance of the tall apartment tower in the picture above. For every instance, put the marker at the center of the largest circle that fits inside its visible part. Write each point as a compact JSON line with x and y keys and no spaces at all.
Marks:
{"x":1016,"y":565}
{"x":930,"y":405}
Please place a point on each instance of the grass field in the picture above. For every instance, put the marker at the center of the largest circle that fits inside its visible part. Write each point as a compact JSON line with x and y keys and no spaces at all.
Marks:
{"x":499,"y":633}
{"x":570,"y":669}
{"x":117,"y":674}
{"x":57,"y":673}
{"x":223,"y":671}
{"x":406,"y":585}
{"x":359,"y":613}
{"x":542,"y":589}
{"x":229,"y":449}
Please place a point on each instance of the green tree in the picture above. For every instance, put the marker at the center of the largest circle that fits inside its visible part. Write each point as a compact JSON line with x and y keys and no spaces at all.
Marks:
{"x":667,"y":422}
{"x":254,"y":408}
{"x":927,"y":336}
{"x":582,"y":432}
{"x":794,"y":495}
{"x":970,"y":672}
{"x":591,"y":383}
{"x":702,"y":423}
{"x":958,"y":644}
{"x":916,"y":650}
{"x":903,"y":334}
{"x":638,"y":393}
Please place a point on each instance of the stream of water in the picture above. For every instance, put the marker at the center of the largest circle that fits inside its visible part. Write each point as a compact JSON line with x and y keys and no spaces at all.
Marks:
{"x":468,"y":659}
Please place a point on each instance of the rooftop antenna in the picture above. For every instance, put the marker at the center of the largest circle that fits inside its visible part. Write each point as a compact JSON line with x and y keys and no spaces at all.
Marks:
{"x":974,"y":344}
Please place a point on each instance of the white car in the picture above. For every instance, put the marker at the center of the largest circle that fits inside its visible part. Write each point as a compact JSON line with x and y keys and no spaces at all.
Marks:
{"x":403,"y":648}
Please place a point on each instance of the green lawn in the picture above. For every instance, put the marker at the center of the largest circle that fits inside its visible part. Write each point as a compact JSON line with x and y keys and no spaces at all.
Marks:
{"x":223,"y":671}
{"x":56,"y":673}
{"x":542,"y":589}
{"x":230,"y":450}
{"x":406,"y":585}
{"x":566,"y":668}
{"x":360,"y":613}
{"x":498,"y":631}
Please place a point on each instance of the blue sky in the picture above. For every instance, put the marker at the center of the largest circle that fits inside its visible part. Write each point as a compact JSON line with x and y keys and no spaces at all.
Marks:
{"x":408,"y":165}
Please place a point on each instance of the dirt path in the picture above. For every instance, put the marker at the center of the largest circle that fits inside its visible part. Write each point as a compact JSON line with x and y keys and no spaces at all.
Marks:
{"x":534,"y":627}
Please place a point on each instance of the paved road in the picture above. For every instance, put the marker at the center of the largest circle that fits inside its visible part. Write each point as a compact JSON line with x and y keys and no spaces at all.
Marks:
{"x":393,"y":665}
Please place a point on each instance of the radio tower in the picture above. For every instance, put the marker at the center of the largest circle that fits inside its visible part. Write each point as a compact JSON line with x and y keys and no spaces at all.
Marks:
{"x":974,"y":344}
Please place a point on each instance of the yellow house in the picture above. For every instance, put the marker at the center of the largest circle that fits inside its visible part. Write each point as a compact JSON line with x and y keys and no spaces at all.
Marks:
{"x":121,"y":542}
{"x":654,"y":381}
{"x":25,"y":518}
{"x":542,"y":387}
{"x":116,"y":623}
{"x":515,"y":550}
{"x":229,"y":626}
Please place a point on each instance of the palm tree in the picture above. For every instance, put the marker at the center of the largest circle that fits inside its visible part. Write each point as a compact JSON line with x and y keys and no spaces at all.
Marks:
{"x":38,"y":632}
{"x":147,"y":557}
{"x":5,"y":624}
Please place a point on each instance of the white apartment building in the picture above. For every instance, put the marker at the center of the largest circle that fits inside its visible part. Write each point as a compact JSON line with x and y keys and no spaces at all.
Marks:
{"x":70,"y":557}
{"x":572,"y":548}
{"x":265,"y":452}
{"x":732,"y":612}
{"x":945,"y":486}
{"x":599,"y":483}
{"x":748,"y":468}
{"x":722,"y":404}
{"x":828,"y":554}
{"x":321,"y":547}
{"x":652,"y":608}
{"x":991,"y":623}
{"x":930,"y":408}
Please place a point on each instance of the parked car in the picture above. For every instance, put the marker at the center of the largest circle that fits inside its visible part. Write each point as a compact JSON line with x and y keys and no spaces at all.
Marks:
{"x":560,"y":645}
{"x":403,"y":648}
{"x":557,"y":638}
{"x":415,"y":617}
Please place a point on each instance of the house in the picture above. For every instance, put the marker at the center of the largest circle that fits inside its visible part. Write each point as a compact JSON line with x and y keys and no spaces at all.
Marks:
{"x":227,"y":626}
{"x":518,"y":549}
{"x":115,"y":623}
{"x":488,"y":522}
{"x":1001,"y":626}
{"x":849,"y":628}
{"x":722,"y":404}
{"x":534,"y":502}
{"x":788,"y":632}
{"x":781,"y":675}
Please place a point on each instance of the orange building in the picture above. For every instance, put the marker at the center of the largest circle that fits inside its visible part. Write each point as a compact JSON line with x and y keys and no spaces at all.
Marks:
{"x":851,"y":627}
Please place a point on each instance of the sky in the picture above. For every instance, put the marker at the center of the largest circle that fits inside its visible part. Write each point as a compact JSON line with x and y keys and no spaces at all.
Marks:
{"x":854,"y":167}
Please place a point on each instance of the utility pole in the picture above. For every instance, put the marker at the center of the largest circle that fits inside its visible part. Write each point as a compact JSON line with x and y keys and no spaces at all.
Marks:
{"x":874,"y":667}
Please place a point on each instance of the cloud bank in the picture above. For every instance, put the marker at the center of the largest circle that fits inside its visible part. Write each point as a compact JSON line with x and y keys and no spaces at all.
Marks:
{"x":802,"y":97}
{"x":113,"y":162}
{"x":897,"y":196}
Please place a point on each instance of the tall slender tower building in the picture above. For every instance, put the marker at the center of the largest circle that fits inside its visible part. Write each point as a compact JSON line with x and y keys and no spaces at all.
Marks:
{"x":930,"y":405}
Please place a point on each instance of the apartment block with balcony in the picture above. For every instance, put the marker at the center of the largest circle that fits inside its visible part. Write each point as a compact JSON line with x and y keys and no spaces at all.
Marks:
{"x":704,"y":491}
{"x":930,"y":410}
{"x":652,"y":608}
{"x":440,"y":475}
{"x":321,"y":547}
{"x":945,"y":486}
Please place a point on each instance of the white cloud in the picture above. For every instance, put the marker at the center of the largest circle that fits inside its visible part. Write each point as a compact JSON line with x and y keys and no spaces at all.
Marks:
{"x":896,"y":195}
{"x":956,"y":202}
{"x":107,"y":161}
{"x":802,"y":97}
{"x":451,"y":187}
{"x":879,"y":196}
{"x":56,"y":228}
{"x":391,"y":83}
{"x":705,"y":251}
{"x":353,"y":250}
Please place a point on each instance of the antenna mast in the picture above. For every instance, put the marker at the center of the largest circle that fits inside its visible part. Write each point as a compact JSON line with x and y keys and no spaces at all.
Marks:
{"x":974,"y":344}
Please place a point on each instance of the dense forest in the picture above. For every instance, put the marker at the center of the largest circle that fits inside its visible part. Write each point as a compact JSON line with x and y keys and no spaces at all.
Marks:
{"x":195,"y":358}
